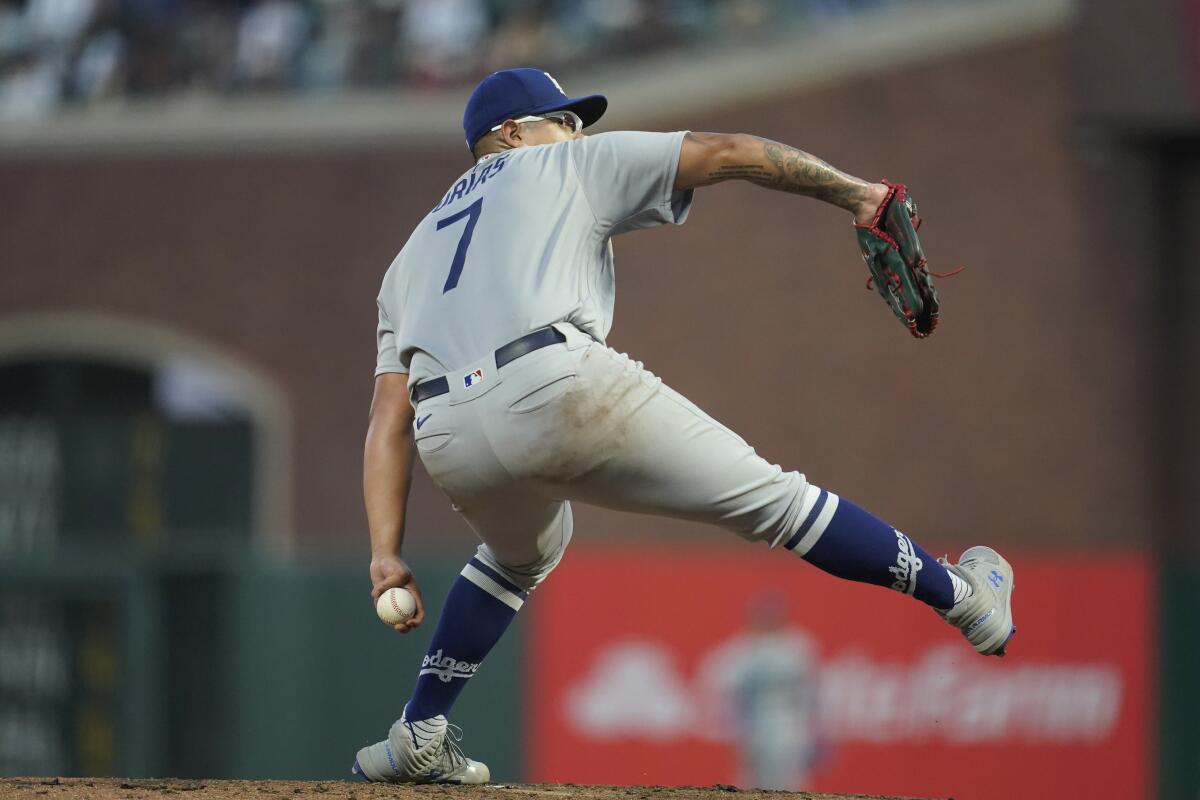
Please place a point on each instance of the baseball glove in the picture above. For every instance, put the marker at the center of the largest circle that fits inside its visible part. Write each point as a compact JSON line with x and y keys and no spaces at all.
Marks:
{"x":899,"y":269}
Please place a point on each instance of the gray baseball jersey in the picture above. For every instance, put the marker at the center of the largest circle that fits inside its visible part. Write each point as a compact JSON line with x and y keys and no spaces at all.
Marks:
{"x":521,"y":241}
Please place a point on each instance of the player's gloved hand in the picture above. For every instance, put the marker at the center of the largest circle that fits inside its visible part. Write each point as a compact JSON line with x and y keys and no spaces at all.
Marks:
{"x":899,"y":269}
{"x":390,"y":572}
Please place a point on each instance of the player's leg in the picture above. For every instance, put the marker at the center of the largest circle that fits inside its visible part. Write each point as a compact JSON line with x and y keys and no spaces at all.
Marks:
{"x":524,"y":535}
{"x":679,"y":461}
{"x":528,"y":536}
{"x":529,"y":533}
{"x":638,"y":445}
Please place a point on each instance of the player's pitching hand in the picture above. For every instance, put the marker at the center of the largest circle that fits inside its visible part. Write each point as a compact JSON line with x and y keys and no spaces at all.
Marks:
{"x":389,"y":572}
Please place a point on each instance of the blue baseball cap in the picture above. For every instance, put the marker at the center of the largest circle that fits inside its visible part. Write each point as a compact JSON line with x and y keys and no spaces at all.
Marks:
{"x":522,"y":92}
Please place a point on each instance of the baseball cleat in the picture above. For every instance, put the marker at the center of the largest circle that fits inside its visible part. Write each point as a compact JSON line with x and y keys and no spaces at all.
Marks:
{"x":985,"y":617}
{"x":398,"y":759}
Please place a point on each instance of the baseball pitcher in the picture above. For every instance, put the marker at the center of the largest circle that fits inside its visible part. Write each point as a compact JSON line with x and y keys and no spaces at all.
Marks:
{"x":492,"y":363}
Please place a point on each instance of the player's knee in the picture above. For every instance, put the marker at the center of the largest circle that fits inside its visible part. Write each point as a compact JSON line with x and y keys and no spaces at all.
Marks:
{"x":779,"y":512}
{"x":526,"y":576}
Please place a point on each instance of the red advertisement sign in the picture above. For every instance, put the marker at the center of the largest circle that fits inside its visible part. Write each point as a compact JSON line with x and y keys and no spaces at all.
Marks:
{"x":743,"y":666}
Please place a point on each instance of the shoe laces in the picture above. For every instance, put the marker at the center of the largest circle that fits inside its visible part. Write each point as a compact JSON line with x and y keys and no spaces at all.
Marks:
{"x":451,"y":751}
{"x":945,"y":561}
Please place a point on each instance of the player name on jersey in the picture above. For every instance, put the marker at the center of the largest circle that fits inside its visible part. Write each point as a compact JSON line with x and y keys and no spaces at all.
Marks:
{"x":483,"y":170}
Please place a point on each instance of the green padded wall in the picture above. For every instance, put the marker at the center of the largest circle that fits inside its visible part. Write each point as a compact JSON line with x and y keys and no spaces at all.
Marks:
{"x":1179,"y":649}
{"x":313,"y":674}
{"x":224,"y":666}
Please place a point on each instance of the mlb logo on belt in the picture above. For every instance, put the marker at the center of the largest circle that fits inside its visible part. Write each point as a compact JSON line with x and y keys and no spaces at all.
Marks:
{"x":472,"y":378}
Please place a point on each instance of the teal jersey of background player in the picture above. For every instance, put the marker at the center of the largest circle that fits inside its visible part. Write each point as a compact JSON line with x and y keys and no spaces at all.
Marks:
{"x":522,"y":241}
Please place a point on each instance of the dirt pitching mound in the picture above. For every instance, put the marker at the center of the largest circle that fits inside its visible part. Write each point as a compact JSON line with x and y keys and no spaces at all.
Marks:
{"x":154,"y":788}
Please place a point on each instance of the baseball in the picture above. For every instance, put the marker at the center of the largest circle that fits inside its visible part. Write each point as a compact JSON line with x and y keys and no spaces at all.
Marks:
{"x":395,"y":606}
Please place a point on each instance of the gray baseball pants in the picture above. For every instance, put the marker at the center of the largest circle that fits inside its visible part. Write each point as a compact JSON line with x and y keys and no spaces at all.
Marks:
{"x":580,"y":421}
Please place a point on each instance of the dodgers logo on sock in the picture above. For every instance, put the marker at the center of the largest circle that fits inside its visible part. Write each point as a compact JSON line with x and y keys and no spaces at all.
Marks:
{"x":446,"y":668}
{"x":908,"y":564}
{"x":473,"y":378}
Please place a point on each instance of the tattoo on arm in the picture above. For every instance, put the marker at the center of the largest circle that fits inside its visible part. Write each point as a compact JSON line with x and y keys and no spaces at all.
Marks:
{"x":747,"y":171}
{"x":787,"y":169}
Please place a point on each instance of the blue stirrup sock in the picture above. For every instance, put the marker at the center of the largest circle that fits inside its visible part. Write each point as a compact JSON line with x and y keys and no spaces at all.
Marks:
{"x":478,"y":609}
{"x":842,"y":539}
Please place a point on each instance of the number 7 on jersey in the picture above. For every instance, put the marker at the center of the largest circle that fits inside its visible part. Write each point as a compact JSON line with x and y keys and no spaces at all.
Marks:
{"x":471,"y":212}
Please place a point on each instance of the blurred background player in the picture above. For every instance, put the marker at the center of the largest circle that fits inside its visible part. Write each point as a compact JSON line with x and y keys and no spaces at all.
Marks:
{"x":771,"y":697}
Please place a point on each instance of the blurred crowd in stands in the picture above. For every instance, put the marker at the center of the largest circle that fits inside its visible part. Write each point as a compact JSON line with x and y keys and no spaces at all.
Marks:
{"x":56,"y":53}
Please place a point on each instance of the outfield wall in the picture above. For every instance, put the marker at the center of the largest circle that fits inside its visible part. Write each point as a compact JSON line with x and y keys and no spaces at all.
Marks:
{"x":712,"y":658}
{"x":226,"y":667}
{"x":244,"y":669}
